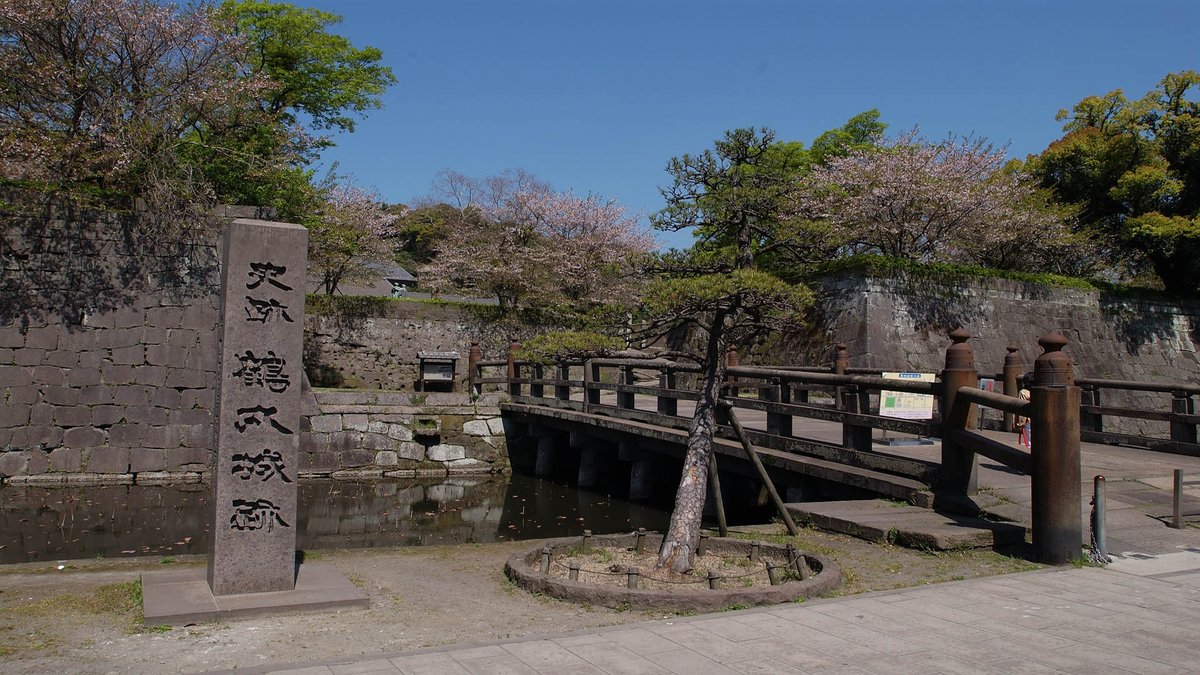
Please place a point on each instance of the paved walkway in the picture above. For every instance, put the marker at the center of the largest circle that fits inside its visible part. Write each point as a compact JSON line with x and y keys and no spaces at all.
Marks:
{"x":1137,"y":616}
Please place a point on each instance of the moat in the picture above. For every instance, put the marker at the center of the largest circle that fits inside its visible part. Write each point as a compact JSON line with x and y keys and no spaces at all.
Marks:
{"x":39,"y":523}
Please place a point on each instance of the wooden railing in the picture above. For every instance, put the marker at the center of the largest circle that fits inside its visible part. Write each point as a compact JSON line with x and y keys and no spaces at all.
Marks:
{"x":1181,"y":416}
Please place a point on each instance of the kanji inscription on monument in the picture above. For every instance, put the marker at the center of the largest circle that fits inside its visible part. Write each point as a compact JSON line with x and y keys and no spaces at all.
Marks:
{"x":253,"y":508}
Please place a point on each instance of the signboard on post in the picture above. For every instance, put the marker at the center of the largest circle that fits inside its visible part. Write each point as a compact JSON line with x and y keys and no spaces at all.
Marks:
{"x":904,"y":405}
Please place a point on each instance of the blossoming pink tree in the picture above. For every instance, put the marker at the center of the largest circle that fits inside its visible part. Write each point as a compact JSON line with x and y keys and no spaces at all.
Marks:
{"x":351,"y":238}
{"x":947,"y":201}
{"x":535,"y":244}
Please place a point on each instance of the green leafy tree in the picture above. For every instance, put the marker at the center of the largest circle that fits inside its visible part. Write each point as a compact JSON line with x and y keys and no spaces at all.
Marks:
{"x":732,"y":197}
{"x":1132,"y":168}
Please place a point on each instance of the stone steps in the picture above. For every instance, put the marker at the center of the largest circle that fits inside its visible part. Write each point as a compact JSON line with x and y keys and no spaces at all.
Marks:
{"x":880,"y":520}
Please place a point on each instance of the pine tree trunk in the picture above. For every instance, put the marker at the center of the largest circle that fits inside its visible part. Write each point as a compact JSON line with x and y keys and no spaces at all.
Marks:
{"x":683,"y":534}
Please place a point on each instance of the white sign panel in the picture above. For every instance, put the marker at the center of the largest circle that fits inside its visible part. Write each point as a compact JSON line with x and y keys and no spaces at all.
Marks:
{"x":903,"y":404}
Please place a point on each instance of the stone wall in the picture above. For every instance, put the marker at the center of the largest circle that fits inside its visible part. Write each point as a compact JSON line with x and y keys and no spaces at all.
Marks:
{"x":127,"y":387}
{"x":380,"y":352}
{"x":394,"y":434}
{"x":902,"y":323}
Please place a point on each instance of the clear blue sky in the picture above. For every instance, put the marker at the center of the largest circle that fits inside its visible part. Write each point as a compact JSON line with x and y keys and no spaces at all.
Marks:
{"x":596,"y":96}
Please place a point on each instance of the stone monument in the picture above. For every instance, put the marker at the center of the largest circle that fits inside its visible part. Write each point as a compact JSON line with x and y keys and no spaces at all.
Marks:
{"x":252,"y":567}
{"x":252,"y":545}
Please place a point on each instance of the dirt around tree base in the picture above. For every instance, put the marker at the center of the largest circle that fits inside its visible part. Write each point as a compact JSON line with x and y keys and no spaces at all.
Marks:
{"x":731,"y":573}
{"x":84,"y":617}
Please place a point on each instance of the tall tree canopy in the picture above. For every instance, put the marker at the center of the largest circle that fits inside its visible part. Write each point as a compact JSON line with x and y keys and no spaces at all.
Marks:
{"x":949,"y":201}
{"x":1133,"y":169}
{"x":526,"y":243}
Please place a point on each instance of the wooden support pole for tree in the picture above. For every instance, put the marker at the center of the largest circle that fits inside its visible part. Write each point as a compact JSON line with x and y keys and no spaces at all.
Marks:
{"x":714,"y":486}
{"x":762,"y":470}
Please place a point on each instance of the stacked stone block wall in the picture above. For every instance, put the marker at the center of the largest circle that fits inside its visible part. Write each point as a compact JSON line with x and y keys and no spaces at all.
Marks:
{"x":396,"y":434}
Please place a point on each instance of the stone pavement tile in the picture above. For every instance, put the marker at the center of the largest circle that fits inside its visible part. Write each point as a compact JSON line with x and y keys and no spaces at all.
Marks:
{"x":688,"y":662}
{"x":728,"y":628}
{"x":888,"y":598}
{"x":365,"y":667}
{"x":1017,"y":614}
{"x":793,"y":653}
{"x":988,"y":651}
{"x":880,"y":642}
{"x":581,"y":669}
{"x":953,"y":596}
{"x":766,"y":666}
{"x":641,"y":641}
{"x":1117,"y":660}
{"x":1178,"y":648}
{"x":960,"y":615}
{"x":1018,"y":640}
{"x":507,"y":664}
{"x":478,"y":652}
{"x":708,"y":644}
{"x":920,"y":662}
{"x":816,"y":617}
{"x":578,"y":640}
{"x":434,"y":663}
{"x":770,"y":624}
{"x":613,"y":658}
{"x":543,"y":655}
{"x":311,"y":670}
{"x":1019,"y":667}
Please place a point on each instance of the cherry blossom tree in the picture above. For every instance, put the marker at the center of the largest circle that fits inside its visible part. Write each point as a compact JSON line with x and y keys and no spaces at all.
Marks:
{"x":95,"y":91}
{"x":532,"y":244}
{"x":948,"y":201}
{"x":350,"y":239}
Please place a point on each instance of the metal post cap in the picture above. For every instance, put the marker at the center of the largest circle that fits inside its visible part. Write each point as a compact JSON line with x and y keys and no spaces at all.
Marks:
{"x":1053,"y":368}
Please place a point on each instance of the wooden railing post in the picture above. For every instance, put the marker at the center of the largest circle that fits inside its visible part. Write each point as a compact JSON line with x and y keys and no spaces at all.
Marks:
{"x":1181,"y":403}
{"x":474,"y":356}
{"x":854,"y":436}
{"x":731,"y":361}
{"x":779,"y":424}
{"x":626,"y":399}
{"x":1055,"y":477}
{"x":1090,"y":421}
{"x":562,"y":391}
{"x":591,"y":376}
{"x":841,"y":361}
{"x":667,"y":405}
{"x":1013,"y":370}
{"x":514,"y":370}
{"x":959,"y":466}
{"x":536,"y":372}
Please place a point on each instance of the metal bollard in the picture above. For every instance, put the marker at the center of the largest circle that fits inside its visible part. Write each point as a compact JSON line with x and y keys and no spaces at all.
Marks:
{"x":546,"y":561}
{"x":631,"y":578}
{"x":641,"y":540}
{"x":754,"y":552}
{"x":1177,"y":501}
{"x":573,"y":572}
{"x":703,"y":547}
{"x":587,"y":539}
{"x":1099,"y":539}
{"x":713,"y":580}
{"x":773,"y":574}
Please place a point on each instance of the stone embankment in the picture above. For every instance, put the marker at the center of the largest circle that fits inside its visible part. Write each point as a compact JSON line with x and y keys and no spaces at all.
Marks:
{"x":395,"y":434}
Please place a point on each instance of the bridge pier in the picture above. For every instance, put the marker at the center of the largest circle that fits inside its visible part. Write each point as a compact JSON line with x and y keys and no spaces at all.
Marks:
{"x":641,"y":477}
{"x":545,"y":456}
{"x":591,"y":462}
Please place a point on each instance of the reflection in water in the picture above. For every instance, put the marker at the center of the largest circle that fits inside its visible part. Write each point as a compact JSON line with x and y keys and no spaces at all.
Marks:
{"x":70,"y":522}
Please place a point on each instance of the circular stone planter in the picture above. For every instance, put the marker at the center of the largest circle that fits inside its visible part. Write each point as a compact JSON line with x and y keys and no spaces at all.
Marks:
{"x":524,"y":569}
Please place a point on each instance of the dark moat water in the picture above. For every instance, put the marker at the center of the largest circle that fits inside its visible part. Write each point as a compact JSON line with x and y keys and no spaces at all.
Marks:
{"x":112,"y":521}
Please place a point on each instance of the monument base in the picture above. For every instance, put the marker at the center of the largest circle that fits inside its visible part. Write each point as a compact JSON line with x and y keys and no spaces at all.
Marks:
{"x":181,"y":597}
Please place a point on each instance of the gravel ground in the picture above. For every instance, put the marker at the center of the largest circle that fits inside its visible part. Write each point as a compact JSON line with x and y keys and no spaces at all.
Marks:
{"x":85,"y":618}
